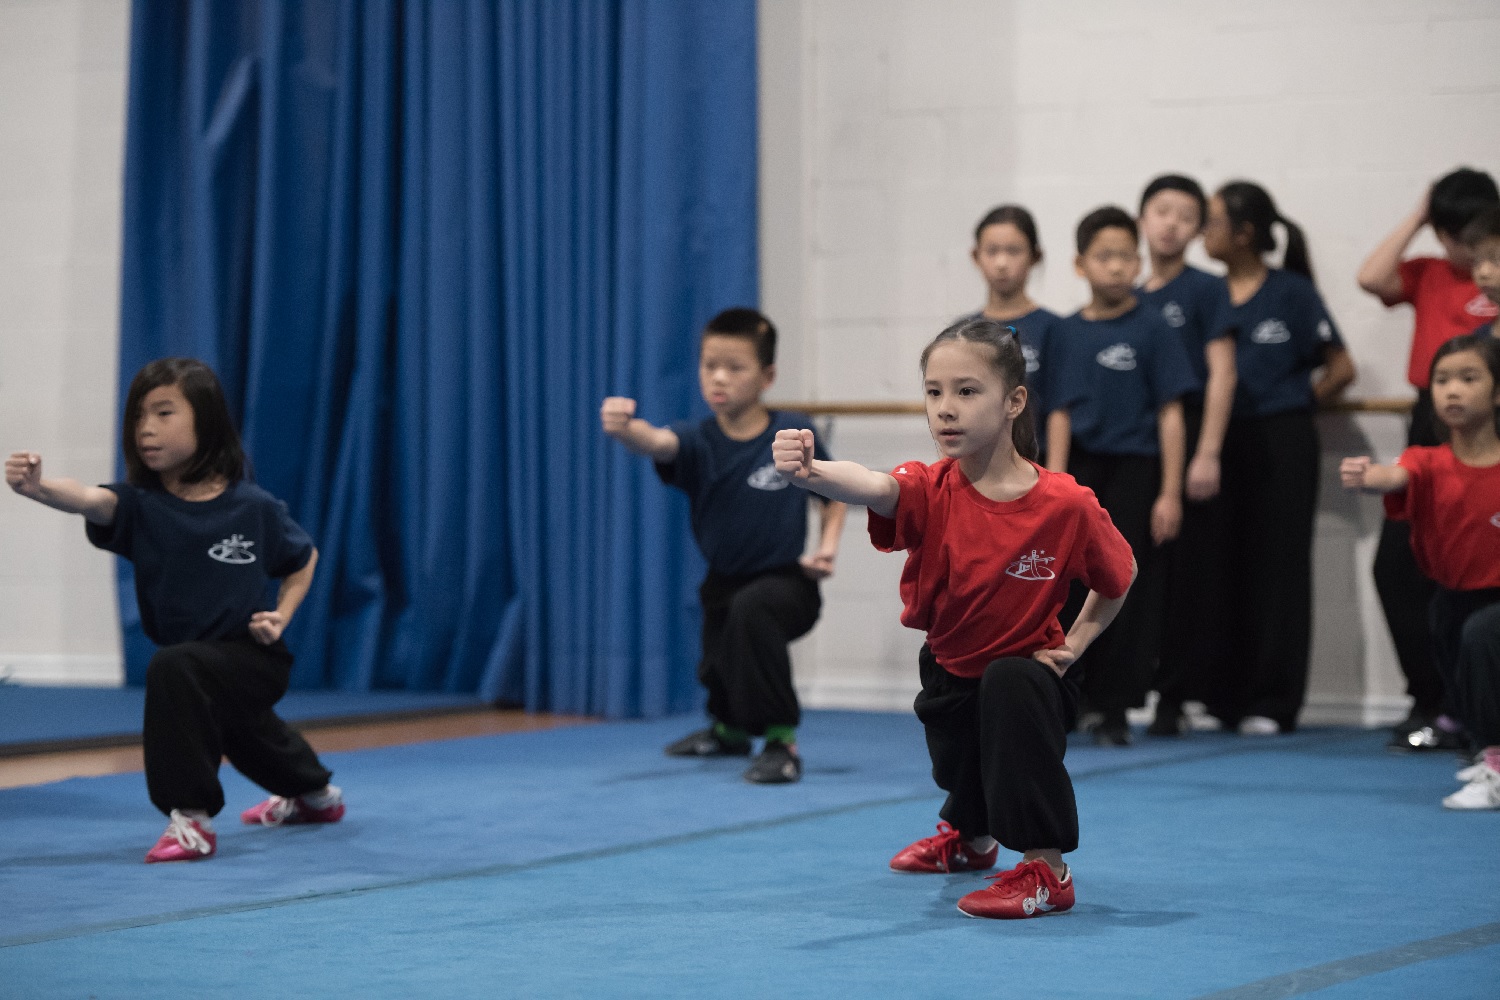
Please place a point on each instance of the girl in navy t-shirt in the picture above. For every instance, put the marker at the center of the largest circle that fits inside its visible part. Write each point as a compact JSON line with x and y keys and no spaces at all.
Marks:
{"x":205,"y":543}
{"x":993,"y":543}
{"x":1005,"y":251}
{"x":1451,"y":496}
{"x":1289,"y":358}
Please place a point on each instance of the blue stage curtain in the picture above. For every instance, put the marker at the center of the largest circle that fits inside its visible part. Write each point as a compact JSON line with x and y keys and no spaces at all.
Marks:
{"x":420,"y":242}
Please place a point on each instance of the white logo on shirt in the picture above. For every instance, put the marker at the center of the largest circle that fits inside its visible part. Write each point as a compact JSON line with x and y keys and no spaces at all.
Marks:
{"x":1481,"y":306}
{"x":1032,"y":567}
{"x":1173,"y":314}
{"x":1325,"y":330}
{"x":1495,"y":520}
{"x":1120,"y":357}
{"x":901,"y":471}
{"x":765,"y":478}
{"x":1033,"y":363}
{"x":1272,"y":331}
{"x":233,"y":550}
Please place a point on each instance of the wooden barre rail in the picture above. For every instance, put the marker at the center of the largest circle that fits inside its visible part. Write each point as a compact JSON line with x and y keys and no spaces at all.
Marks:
{"x":1400,"y":407}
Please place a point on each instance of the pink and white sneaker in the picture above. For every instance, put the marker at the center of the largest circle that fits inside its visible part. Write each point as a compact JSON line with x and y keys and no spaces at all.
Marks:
{"x":277,"y":811}
{"x":185,"y":840}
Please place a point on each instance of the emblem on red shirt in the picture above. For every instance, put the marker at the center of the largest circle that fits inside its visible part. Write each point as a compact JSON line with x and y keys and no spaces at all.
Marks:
{"x":1481,"y":306}
{"x":1034,"y":566}
{"x":1495,"y":520}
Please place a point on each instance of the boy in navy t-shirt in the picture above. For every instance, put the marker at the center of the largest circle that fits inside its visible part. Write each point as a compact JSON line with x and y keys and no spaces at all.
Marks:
{"x":1115,"y":379}
{"x":761,"y":592}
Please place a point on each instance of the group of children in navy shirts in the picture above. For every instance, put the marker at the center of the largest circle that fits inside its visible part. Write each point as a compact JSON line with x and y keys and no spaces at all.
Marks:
{"x":1122,"y":501}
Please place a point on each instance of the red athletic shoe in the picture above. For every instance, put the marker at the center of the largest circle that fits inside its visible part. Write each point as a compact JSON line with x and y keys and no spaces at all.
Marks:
{"x":185,"y":840}
{"x":277,"y":811}
{"x":1027,"y":890}
{"x":945,"y":852}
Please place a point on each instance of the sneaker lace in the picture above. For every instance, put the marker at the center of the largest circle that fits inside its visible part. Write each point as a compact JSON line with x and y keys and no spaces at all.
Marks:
{"x":1009,"y":881}
{"x":947,"y":845}
{"x":277,"y":810}
{"x":186,"y":833}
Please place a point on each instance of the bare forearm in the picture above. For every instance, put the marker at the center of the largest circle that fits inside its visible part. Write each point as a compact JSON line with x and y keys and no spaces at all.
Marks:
{"x":1380,"y":274}
{"x":295,"y":587}
{"x":1385,"y":479}
{"x":1172,"y":434}
{"x":1059,"y":439}
{"x":1098,"y":611}
{"x":95,"y":503}
{"x":1338,"y":374}
{"x":641,"y":437}
{"x":832,"y":526}
{"x":1218,"y":398}
{"x":852,"y":483}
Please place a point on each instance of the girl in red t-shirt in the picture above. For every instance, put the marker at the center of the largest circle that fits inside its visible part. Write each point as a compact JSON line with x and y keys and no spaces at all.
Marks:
{"x":1451,"y":496}
{"x":993,"y":542}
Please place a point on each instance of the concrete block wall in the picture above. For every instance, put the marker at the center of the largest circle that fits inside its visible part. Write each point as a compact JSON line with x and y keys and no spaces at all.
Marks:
{"x":890,"y":126}
{"x":62,"y":117}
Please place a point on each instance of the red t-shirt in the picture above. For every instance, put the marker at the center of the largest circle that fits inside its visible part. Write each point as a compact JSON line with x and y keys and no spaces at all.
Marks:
{"x":985,"y":578}
{"x":1447,"y":305}
{"x":1454,"y":510}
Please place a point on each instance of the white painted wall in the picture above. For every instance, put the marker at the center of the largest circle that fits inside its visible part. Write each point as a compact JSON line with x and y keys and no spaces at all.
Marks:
{"x":890,"y":126}
{"x":62,"y":118}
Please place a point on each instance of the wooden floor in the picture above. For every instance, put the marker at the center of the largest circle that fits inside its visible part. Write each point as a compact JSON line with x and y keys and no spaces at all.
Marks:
{"x":38,"y":769}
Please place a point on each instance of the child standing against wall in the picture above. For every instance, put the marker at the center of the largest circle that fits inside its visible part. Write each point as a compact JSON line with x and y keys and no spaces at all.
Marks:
{"x":1196,"y":305}
{"x":205,"y":542}
{"x":1271,"y":459}
{"x":1119,"y":373}
{"x":993,"y":542}
{"x":761,"y":592}
{"x":1446,"y":303}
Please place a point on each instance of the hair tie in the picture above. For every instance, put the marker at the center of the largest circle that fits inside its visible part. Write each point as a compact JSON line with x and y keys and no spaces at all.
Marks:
{"x":1012,"y":331}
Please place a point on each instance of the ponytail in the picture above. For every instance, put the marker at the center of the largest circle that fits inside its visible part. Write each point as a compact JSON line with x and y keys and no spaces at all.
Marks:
{"x":1249,"y":204}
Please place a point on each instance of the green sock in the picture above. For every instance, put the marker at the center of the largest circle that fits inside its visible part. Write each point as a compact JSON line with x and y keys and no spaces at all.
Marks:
{"x":781,"y":734}
{"x":730,"y":734}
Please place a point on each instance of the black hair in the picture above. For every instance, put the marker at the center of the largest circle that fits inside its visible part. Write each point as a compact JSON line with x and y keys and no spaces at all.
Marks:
{"x":1488,"y":349}
{"x":219,"y":453}
{"x":1016,"y":216}
{"x":750,"y":324}
{"x":1100,"y":219}
{"x":1484,"y":226}
{"x":1249,"y":204}
{"x":1177,"y":182}
{"x":1009,"y":363}
{"x":1458,"y":197}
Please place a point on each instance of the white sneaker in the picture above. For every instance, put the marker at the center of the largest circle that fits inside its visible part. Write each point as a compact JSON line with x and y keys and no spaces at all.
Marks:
{"x":1470,"y":773}
{"x":1483,"y":792}
{"x":1258,"y":725}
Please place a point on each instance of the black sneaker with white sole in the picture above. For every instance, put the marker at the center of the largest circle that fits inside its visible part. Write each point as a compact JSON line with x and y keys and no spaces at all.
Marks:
{"x":707,"y":743}
{"x":776,"y":765}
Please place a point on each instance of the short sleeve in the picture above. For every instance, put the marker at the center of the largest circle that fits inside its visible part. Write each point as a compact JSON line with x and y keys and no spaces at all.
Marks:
{"x":294,"y":547}
{"x":1107,"y":558}
{"x":1398,"y":504}
{"x":1062,"y":382}
{"x":1318,"y":319}
{"x":906,"y":529}
{"x":1218,"y":312}
{"x":1172,"y":375}
{"x":684,"y":470}
{"x":1411,"y":272}
{"x":118,"y":536}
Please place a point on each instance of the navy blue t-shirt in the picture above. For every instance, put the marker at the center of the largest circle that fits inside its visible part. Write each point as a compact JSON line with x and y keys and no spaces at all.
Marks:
{"x":1196,"y":305}
{"x":1283,"y":332}
{"x":1113,"y":375}
{"x":1035,"y":329}
{"x":745,"y":517}
{"x":202,"y":568}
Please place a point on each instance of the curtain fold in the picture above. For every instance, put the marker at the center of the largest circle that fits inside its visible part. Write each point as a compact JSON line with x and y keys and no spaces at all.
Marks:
{"x":420,"y":242}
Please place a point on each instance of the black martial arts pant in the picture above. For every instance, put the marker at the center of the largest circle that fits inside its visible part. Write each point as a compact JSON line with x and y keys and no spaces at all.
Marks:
{"x":1466,"y":645}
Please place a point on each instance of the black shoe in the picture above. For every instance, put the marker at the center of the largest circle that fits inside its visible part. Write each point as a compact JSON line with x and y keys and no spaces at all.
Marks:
{"x":1111,"y":731}
{"x":1169,"y":720}
{"x":1426,"y":737}
{"x":707,"y":743}
{"x":776,"y":765}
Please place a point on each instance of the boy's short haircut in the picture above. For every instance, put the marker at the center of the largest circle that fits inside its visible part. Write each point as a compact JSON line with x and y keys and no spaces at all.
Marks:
{"x":1484,"y":226}
{"x":1177,"y":182}
{"x":1100,"y":219}
{"x":752,"y":325}
{"x":1458,"y":197}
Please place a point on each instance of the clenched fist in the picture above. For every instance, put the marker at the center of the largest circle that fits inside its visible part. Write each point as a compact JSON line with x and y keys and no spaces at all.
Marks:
{"x":1352,"y":472}
{"x":23,"y":473}
{"x":616,"y":414}
{"x":792,"y":451}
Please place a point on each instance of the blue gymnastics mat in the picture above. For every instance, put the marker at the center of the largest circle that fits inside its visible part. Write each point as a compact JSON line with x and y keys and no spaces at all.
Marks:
{"x":36,"y":717}
{"x":581,"y":863}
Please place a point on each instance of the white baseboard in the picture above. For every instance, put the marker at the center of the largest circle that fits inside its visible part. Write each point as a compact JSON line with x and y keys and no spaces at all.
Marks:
{"x":82,"y":670}
{"x":861,"y":696}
